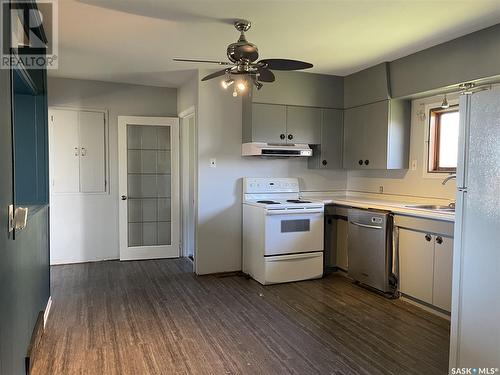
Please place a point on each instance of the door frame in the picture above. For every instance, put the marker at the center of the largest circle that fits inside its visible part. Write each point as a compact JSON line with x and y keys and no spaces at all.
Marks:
{"x":148,"y":252}
{"x":193,"y":154}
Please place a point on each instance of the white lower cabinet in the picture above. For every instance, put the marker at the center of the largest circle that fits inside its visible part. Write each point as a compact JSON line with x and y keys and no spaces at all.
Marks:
{"x":416,"y":264}
{"x":425,"y":267}
{"x":443,"y":269}
{"x":341,"y":245}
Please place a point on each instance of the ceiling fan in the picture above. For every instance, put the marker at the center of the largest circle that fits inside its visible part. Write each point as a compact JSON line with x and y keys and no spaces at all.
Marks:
{"x":243,"y":56}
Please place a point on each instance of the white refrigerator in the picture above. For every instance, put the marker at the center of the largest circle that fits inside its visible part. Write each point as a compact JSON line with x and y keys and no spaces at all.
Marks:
{"x":475,"y":321}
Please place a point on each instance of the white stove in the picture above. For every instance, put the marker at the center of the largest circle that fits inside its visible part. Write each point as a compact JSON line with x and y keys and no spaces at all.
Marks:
{"x":282,"y":234}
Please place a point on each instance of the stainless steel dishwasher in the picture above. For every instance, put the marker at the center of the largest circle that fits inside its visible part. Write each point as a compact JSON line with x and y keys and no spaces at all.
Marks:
{"x":370,"y":249}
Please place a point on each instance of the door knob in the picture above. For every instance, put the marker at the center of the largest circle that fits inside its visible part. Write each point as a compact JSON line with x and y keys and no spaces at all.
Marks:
{"x":124,"y":197}
{"x":324,"y":162}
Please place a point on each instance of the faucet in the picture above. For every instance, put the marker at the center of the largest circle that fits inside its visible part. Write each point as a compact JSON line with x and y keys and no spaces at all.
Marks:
{"x":450,"y":177}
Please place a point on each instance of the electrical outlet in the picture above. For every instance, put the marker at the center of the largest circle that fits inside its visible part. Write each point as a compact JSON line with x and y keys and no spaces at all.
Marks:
{"x":380,"y":189}
{"x":213,"y":163}
{"x":414,"y":164}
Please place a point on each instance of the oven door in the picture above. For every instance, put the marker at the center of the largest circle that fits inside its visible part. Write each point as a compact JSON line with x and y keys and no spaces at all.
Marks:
{"x":293,"y":231}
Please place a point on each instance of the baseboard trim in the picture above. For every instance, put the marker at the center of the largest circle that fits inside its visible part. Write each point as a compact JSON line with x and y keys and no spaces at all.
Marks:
{"x":83,"y":261}
{"x":47,"y":312}
{"x":429,"y":308}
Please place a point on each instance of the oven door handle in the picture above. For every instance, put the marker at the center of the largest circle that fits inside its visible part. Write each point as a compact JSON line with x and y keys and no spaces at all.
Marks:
{"x":365,"y":225}
{"x":293,"y":212}
{"x":280,"y":258}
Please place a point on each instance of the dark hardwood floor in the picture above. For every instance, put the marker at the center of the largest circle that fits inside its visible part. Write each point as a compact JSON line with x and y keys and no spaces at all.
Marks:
{"x":156,"y":317}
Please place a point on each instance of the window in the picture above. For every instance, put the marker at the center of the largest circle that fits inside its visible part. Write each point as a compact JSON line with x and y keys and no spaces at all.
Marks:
{"x":443,"y":140}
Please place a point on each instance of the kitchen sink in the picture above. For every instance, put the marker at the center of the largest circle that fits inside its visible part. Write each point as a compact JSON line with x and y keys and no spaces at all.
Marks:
{"x":433,"y":207}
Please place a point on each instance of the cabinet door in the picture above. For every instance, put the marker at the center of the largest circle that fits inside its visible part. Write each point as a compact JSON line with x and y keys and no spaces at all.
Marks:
{"x":331,"y":139}
{"x":268,"y":123}
{"x":416,"y":263}
{"x":443,"y":268}
{"x":342,"y":229}
{"x":354,"y":138}
{"x":64,"y":151}
{"x":92,"y":152}
{"x":303,"y":125}
{"x":375,"y":119}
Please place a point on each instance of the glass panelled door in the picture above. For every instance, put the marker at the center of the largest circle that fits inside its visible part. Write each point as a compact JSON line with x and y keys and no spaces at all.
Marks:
{"x":149,"y":186}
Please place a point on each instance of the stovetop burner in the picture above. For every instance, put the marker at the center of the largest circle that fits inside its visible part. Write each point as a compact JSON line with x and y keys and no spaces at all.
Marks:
{"x":296,"y":201}
{"x":268,"y":202}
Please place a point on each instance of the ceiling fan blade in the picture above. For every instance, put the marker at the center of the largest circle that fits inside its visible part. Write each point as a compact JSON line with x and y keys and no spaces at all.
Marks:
{"x":285,"y":64}
{"x":265,"y":75}
{"x":215,"y":74}
{"x":204,"y":61}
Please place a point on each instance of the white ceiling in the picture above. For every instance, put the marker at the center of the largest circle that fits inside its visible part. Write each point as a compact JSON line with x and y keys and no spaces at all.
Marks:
{"x":135,"y":40}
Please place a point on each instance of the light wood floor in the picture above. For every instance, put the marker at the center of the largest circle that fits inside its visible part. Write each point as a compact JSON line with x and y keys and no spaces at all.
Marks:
{"x":156,"y":317}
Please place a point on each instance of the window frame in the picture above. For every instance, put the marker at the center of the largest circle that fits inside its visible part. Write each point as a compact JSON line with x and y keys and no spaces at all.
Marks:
{"x":433,"y":141}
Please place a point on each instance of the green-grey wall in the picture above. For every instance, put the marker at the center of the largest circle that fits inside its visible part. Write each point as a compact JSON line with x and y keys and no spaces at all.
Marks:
{"x":24,"y":262}
{"x":471,"y":57}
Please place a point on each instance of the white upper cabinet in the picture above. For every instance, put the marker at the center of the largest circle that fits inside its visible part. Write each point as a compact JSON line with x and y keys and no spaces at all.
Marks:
{"x":376,"y":127}
{"x":377,"y":135}
{"x":303,"y":125}
{"x":92,"y":152}
{"x":64,"y":151}
{"x":264,"y":123}
{"x":276,"y":123}
{"x":77,"y":151}
{"x":328,"y":153}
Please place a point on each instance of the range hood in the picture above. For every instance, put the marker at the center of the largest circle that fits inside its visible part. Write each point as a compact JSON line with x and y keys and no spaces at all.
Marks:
{"x":273,"y":149}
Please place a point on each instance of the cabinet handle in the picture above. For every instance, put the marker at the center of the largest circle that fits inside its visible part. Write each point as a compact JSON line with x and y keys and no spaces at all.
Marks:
{"x":324,"y":162}
{"x":360,"y":162}
{"x":439,"y":240}
{"x":124,"y":197}
{"x":282,"y":136}
{"x":428,"y":237}
{"x":290,"y":137}
{"x":367,"y":162}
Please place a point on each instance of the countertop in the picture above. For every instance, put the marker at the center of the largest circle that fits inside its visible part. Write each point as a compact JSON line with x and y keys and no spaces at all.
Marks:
{"x":395,"y":204}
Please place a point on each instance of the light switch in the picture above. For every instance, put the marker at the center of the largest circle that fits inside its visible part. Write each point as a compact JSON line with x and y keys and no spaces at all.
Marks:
{"x":213,"y":163}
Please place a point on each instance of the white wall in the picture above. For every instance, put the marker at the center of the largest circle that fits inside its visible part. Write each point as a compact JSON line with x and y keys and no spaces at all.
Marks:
{"x":187,"y":94}
{"x":407,"y":182}
{"x":91,"y":229}
{"x":220,"y":188}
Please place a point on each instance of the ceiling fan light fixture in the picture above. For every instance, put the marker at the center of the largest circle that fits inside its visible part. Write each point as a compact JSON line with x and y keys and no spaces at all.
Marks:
{"x":226,"y":83}
{"x":241,"y":86}
{"x":243,"y":56}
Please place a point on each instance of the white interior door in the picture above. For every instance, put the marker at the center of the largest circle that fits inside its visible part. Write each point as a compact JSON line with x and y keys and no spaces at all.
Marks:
{"x":149,"y":187}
